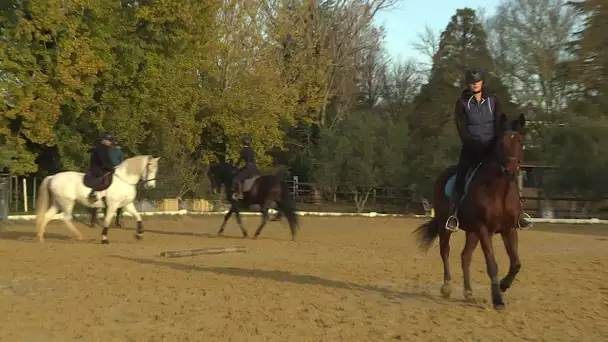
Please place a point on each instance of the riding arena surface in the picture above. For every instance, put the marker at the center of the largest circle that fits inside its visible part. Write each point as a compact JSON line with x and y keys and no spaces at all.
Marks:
{"x":344,"y":279}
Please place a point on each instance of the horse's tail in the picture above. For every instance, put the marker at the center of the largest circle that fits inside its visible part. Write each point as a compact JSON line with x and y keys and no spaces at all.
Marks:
{"x":287,"y":205}
{"x":43,"y":202}
{"x":427,"y":233}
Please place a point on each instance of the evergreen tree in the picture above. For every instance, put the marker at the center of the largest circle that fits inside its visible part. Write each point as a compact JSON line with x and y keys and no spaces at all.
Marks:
{"x":463,"y":45}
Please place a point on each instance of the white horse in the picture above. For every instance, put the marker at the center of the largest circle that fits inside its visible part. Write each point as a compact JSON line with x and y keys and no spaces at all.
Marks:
{"x":58,"y":194}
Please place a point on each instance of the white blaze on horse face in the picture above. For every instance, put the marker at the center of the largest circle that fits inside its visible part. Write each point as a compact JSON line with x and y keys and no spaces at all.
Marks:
{"x":149,"y":177}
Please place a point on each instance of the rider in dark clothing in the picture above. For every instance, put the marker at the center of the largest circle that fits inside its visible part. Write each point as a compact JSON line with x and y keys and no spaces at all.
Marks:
{"x":477,"y":115}
{"x":101,"y":162}
{"x":247,"y":171}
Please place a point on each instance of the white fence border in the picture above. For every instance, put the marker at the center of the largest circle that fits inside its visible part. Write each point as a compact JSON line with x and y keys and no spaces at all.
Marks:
{"x":308,"y":213}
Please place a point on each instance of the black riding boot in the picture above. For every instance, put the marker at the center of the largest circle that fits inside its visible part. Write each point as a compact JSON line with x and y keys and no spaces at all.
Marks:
{"x":239,"y":191}
{"x":452,"y":222}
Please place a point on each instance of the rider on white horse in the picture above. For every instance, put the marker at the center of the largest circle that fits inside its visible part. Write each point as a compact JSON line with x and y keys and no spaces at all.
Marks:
{"x":101,"y":164}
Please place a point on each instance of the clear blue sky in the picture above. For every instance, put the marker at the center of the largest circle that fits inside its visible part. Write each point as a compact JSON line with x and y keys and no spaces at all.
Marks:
{"x":408,"y":18}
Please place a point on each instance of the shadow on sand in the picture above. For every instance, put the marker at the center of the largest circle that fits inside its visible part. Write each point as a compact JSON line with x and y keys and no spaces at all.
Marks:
{"x":300,"y":279}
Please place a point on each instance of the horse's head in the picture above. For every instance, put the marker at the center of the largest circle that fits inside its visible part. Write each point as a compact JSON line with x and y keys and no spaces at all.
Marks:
{"x":511,"y":144}
{"x":218,"y":175}
{"x":144,"y":168}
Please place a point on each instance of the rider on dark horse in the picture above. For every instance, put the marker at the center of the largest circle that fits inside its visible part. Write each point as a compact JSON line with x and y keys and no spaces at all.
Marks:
{"x":249,"y":170}
{"x":477,"y":114}
{"x":101,"y":163}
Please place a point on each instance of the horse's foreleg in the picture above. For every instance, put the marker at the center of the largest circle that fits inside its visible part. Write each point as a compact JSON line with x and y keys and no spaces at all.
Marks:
{"x":465,"y":258}
{"x":118,"y":216}
{"x":226,"y":218}
{"x":511,"y":240}
{"x":110,"y":210}
{"x":130,"y":208}
{"x":238,"y":220}
{"x":492,"y":267}
{"x":444,"y":251}
{"x":264,"y":210}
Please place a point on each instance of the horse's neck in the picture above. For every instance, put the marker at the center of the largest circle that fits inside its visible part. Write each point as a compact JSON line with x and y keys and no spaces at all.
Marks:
{"x":493,"y":178}
{"x":122,"y":173}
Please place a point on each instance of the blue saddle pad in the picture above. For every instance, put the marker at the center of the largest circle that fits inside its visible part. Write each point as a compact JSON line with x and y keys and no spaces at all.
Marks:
{"x":449,"y":185}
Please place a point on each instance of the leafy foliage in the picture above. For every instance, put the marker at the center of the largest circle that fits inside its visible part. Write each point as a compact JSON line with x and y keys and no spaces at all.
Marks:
{"x":310,"y":82}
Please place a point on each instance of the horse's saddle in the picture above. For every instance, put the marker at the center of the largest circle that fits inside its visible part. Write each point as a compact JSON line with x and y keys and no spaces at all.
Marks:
{"x":98,"y":183}
{"x":449,"y":185}
{"x":248,"y":183}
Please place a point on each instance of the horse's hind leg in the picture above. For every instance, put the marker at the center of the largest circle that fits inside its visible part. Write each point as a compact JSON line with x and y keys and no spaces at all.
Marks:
{"x":67,"y":219}
{"x":492,"y":267}
{"x":444,"y":251}
{"x":465,"y":258}
{"x":511,"y":240}
{"x":48,"y":216}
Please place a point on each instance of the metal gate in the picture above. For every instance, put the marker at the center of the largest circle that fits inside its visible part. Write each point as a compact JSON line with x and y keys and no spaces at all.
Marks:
{"x":4,"y":196}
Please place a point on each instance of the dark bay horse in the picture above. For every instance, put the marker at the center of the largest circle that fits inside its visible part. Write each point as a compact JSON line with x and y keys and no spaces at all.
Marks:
{"x":262,"y":190}
{"x":93,"y":212}
{"x":491,"y":205}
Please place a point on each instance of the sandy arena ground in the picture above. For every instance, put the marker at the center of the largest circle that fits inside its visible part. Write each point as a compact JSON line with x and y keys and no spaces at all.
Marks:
{"x":346,"y":279}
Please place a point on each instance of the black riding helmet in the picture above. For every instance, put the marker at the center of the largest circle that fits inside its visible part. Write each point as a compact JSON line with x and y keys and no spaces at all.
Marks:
{"x":246,"y":140}
{"x":475,"y":75}
{"x":107,"y":136}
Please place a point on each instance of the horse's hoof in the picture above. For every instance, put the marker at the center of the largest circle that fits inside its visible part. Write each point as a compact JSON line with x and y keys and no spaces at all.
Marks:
{"x":499,"y":306}
{"x":504,"y":286}
{"x":255,"y":237}
{"x":468,"y":295}
{"x":446,"y":290}
{"x":139,"y":236}
{"x":40,"y":239}
{"x":105,"y":242}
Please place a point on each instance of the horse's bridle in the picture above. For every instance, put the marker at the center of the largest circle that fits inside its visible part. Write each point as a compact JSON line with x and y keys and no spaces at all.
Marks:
{"x":504,"y":161}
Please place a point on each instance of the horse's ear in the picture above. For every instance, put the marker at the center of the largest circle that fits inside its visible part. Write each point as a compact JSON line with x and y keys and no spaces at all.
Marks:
{"x":156,"y":159}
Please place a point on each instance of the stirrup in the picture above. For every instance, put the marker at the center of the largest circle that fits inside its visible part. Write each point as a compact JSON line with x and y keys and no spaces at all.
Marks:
{"x":450,"y":228}
{"x":527,"y":218}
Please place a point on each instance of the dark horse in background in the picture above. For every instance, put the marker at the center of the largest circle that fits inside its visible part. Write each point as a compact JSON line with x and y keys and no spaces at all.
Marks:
{"x":262,"y":190}
{"x":491,"y":205}
{"x":93,"y":212}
